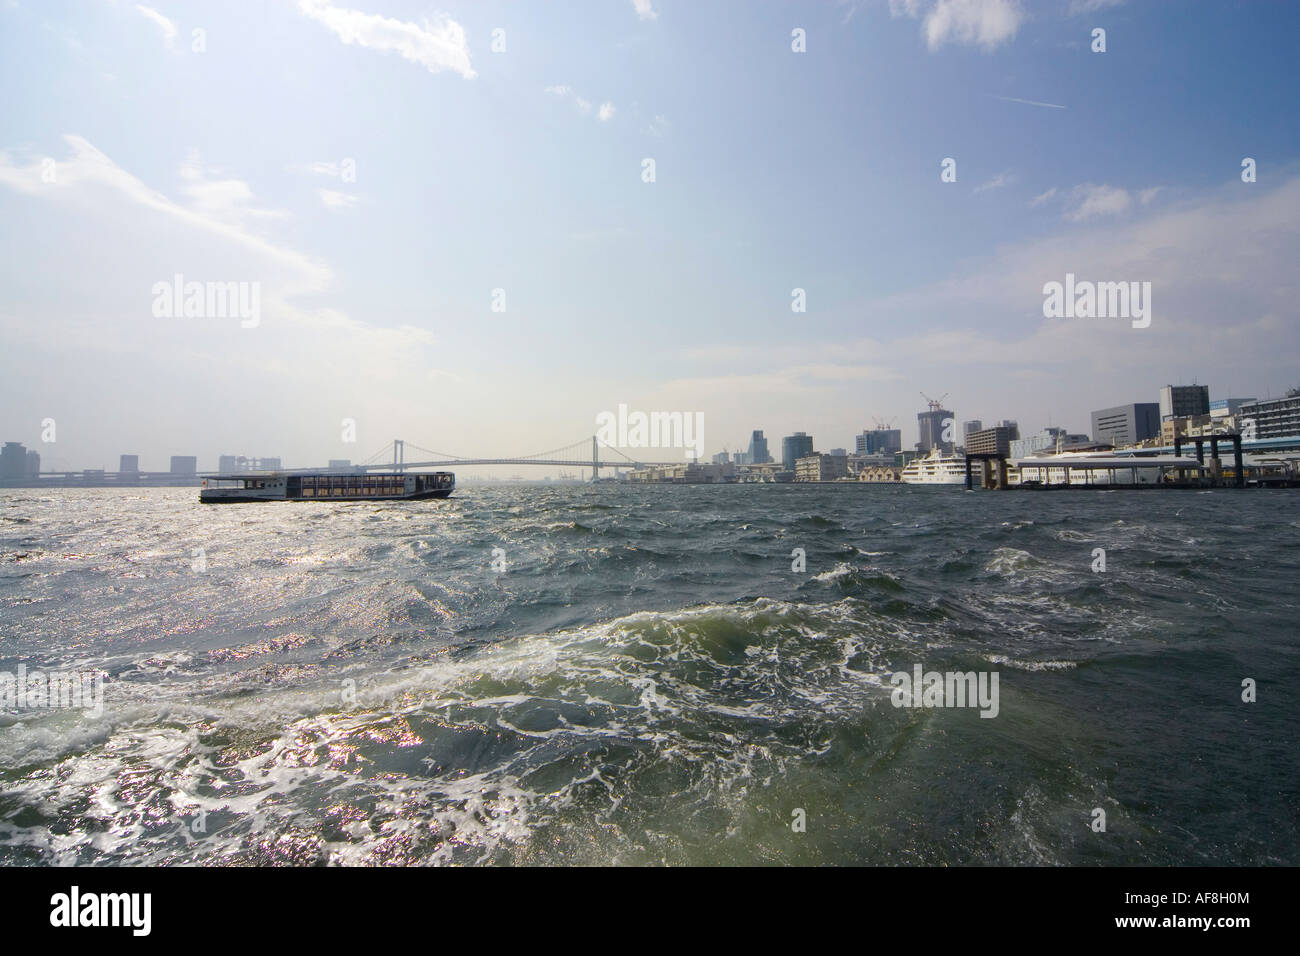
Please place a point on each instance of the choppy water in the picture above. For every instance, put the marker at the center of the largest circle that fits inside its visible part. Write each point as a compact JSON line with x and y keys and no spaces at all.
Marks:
{"x":648,"y":681}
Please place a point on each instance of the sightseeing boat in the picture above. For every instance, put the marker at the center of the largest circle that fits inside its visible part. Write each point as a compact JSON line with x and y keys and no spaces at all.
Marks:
{"x":935,"y":468}
{"x":308,"y":486}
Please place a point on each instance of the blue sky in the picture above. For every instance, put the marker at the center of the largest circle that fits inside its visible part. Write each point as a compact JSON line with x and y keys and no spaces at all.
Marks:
{"x":521,"y":170}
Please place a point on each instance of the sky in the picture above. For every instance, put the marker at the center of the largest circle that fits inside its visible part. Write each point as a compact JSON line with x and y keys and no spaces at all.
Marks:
{"x":443,"y":213}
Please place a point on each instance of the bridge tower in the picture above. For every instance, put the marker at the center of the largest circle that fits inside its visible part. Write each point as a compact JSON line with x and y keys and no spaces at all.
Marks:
{"x":595,"y":458}
{"x":399,"y":455}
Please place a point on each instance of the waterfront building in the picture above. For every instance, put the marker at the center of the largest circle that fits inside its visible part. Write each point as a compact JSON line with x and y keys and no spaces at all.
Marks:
{"x":1047,"y":440}
{"x":991,"y":441}
{"x":793,"y":447}
{"x":1273,"y":417}
{"x":1184,"y":401}
{"x":1125,"y":425}
{"x":13,"y":460}
{"x":817,"y":467}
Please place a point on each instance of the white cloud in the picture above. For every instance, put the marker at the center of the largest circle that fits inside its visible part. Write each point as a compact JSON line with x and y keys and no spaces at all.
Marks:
{"x":1089,"y":201}
{"x":584,"y":105}
{"x":1146,"y":195}
{"x":983,"y":23}
{"x":437,"y":45}
{"x":997,"y":182}
{"x":166,"y":26}
{"x":335,"y":199}
{"x":1091,"y":6}
{"x":1042,"y":197}
{"x":645,"y":10}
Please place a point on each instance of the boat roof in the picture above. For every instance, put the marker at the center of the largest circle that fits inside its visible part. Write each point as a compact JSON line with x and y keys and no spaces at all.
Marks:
{"x":1075,"y":460}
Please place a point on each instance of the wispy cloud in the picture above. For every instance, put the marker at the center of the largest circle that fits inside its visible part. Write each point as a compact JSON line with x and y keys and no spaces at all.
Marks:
{"x":997,"y":182}
{"x":1088,"y":201}
{"x":1091,"y":6}
{"x":1016,"y":99}
{"x":983,"y":23}
{"x":1042,"y":198}
{"x":645,"y":10}
{"x":606,"y":111}
{"x":437,"y":45}
{"x":166,"y":26}
{"x":334,"y":199}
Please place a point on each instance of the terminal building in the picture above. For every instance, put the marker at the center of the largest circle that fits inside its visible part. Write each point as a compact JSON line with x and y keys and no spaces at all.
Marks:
{"x":1125,"y":425}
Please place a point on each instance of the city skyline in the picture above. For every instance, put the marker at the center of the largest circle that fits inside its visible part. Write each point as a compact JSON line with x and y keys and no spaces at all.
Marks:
{"x":491,"y":279}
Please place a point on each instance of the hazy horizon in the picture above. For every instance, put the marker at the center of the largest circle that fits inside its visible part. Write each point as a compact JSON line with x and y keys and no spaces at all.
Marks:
{"x":383,"y":175}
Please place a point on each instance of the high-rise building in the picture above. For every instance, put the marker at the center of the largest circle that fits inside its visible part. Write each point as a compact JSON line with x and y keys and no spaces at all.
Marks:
{"x":33,"y":463}
{"x":971,"y":427}
{"x":269,"y":464}
{"x":1272,"y":417}
{"x":933,"y":425}
{"x":227,"y":464}
{"x":128,"y":464}
{"x":879,"y":441}
{"x":793,"y":447}
{"x":990,"y":441}
{"x":1011,"y":425}
{"x":1047,"y":440}
{"x":184,"y":465}
{"x":1126,"y":424}
{"x":13,"y":460}
{"x":1184,"y":401}
{"x":722,"y":458}
{"x":758,"y":449}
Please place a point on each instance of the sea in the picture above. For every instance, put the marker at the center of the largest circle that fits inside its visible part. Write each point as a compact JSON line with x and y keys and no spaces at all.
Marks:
{"x":567,"y":674}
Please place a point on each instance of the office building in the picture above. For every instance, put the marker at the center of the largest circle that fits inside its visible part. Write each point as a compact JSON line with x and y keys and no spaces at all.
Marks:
{"x":129,"y":464}
{"x":970,"y":428}
{"x":1126,"y":424}
{"x":821,"y":468}
{"x":932,"y":426}
{"x":184,"y":465}
{"x":1184,"y":401}
{"x":721,"y":458}
{"x":1224,"y":407}
{"x":793,"y":447}
{"x":879,"y":441}
{"x":990,"y":441}
{"x":757,"y":454}
{"x":33,"y":464}
{"x":13,"y":460}
{"x":1272,"y":417}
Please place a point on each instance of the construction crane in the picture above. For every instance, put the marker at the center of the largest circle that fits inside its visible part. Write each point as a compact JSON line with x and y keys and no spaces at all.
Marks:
{"x":882,"y":424}
{"x":935,"y":403}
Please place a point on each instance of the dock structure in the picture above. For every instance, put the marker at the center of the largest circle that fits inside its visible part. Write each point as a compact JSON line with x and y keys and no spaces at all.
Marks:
{"x":1239,"y":472}
{"x":993,"y":470}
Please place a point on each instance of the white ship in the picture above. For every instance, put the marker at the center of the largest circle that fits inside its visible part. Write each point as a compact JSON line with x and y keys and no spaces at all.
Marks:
{"x":936,"y":468}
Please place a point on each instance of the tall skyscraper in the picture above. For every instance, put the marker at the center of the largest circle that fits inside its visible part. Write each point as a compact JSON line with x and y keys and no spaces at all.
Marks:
{"x":33,"y":463}
{"x":793,"y":447}
{"x":879,"y":441}
{"x":932,"y":425}
{"x":758,"y":448}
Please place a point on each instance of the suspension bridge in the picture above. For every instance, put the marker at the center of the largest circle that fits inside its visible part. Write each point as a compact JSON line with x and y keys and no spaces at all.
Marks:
{"x":572,"y":456}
